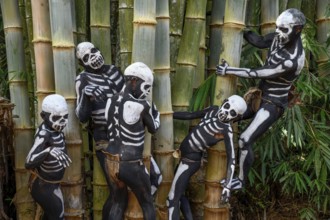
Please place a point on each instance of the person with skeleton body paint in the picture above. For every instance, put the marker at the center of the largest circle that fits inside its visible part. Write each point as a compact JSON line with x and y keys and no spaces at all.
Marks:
{"x":128,"y":113}
{"x":283,"y":65}
{"x":94,"y":85}
{"x":48,"y":158}
{"x":214,"y":127}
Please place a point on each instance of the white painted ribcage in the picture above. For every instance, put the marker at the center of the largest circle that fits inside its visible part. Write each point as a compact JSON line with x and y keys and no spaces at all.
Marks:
{"x":203,"y":136}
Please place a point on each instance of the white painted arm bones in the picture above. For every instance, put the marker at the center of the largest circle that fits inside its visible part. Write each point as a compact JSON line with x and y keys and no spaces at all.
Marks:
{"x":269,"y":71}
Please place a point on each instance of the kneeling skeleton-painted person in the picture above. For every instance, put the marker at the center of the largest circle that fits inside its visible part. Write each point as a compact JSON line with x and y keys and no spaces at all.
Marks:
{"x":128,"y":113}
{"x":214,"y":127}
{"x":48,"y":158}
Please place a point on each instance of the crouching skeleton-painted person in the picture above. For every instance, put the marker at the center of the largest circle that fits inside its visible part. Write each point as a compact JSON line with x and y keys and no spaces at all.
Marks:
{"x":214,"y":127}
{"x":48,"y":158}
{"x":127,"y":114}
{"x":283,"y":65}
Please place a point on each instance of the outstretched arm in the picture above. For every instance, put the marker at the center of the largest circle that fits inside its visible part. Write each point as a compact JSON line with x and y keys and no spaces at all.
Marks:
{"x":192,"y":115}
{"x":269,"y":71}
{"x":258,"y":40}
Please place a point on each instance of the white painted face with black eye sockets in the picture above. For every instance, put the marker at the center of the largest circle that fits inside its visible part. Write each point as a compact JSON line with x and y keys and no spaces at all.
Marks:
{"x":286,"y":22}
{"x":57,"y":108}
{"x":232,"y":107}
{"x":89,"y":55}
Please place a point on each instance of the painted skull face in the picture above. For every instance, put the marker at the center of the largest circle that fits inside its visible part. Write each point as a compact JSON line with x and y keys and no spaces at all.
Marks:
{"x":144,"y":74}
{"x":56,"y":112}
{"x":232,"y":107}
{"x":285,"y":24}
{"x":89,"y":55}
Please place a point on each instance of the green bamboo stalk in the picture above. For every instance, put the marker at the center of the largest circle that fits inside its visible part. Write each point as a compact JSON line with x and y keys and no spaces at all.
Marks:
{"x":163,"y":146}
{"x":114,"y":34}
{"x":283,"y":5}
{"x":217,"y":14}
{"x":234,"y":23}
{"x":294,"y":4}
{"x":182,"y":80}
{"x":196,"y":187}
{"x":323,"y":29}
{"x":26,"y":16}
{"x":177,"y":11}
{"x":100,"y":27}
{"x":269,"y":13}
{"x":100,"y":37}
{"x":125,"y":32}
{"x":252,"y":17}
{"x":143,"y":50}
{"x":65,"y":74}
{"x":23,"y":126}
{"x":42,"y":42}
{"x":81,"y":21}
{"x":80,"y":35}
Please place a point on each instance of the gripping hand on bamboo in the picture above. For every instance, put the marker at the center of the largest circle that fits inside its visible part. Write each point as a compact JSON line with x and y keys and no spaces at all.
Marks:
{"x":221,"y":68}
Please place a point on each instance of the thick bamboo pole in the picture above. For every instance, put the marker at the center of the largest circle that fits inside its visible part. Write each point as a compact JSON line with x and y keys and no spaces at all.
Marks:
{"x":125,"y":32}
{"x":232,"y":39}
{"x":23,"y":126}
{"x":26,"y":17}
{"x":100,"y":37}
{"x":143,"y":50}
{"x":100,"y":26}
{"x":182,"y":80}
{"x":80,"y":9}
{"x":42,"y":42}
{"x":269,"y":12}
{"x":163,"y":146}
{"x":217,"y":14}
{"x":323,"y":29}
{"x":196,"y":187}
{"x":65,"y":74}
{"x":176,"y":11}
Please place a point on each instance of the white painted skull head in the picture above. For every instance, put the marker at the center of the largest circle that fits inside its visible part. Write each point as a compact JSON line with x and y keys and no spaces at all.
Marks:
{"x":231,"y":108}
{"x":89,"y":55}
{"x":56,"y":110}
{"x":143,"y":72}
{"x":286,"y":22}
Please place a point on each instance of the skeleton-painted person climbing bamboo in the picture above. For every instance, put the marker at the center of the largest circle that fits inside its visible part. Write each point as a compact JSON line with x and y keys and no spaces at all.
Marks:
{"x":128,"y":114}
{"x":214,"y":126}
{"x":282,"y":67}
{"x":48,"y":158}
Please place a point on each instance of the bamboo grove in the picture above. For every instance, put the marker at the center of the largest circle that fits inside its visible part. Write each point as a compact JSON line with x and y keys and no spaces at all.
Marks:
{"x":182,"y":41}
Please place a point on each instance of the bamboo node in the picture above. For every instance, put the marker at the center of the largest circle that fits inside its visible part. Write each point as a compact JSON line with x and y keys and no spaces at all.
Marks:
{"x":100,"y":26}
{"x":72,"y":183}
{"x":145,"y":21}
{"x":234,"y":25}
{"x":162,"y":152}
{"x":195,"y":18}
{"x":41,"y":40}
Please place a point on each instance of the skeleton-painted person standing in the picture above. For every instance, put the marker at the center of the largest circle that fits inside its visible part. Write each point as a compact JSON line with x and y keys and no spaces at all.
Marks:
{"x":283,"y":65}
{"x":214,"y":127}
{"x":94,"y":85}
{"x":128,"y":113}
{"x":48,"y":158}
